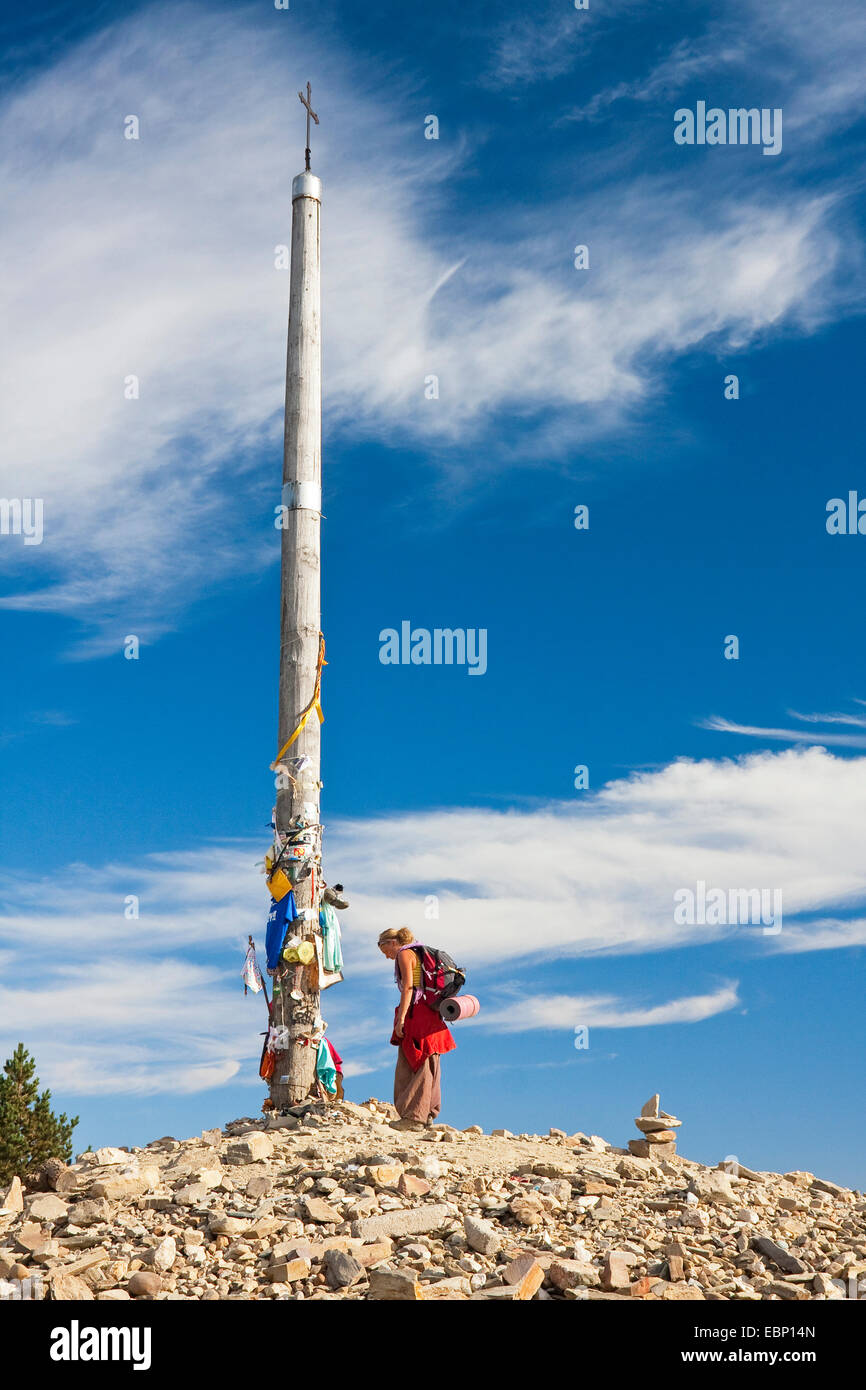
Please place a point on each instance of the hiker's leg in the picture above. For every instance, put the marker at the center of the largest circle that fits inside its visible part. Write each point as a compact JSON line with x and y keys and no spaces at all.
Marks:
{"x":404,"y":1080}
{"x":434,"y":1100}
{"x":410,"y":1090}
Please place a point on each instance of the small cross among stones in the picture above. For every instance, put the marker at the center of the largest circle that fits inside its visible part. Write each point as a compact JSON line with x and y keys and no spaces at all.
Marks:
{"x":306,"y":102}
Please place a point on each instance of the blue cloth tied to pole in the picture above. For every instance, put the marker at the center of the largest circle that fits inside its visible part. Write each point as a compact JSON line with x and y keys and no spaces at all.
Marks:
{"x":280,"y":915}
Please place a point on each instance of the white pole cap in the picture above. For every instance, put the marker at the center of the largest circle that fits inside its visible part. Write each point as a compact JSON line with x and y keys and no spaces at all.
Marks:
{"x":306,"y":185}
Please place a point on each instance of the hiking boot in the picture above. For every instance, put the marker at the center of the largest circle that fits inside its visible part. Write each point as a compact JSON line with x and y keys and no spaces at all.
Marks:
{"x":405,"y":1124}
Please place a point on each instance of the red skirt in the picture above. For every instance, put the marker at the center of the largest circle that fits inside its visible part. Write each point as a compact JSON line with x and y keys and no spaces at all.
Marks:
{"x":424,"y":1034}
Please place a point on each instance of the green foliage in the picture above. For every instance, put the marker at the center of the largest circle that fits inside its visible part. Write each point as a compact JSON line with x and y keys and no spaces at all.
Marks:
{"x":29,"y":1130}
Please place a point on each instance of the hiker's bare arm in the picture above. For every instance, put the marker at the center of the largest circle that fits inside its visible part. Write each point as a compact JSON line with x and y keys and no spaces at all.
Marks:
{"x":405,"y":989}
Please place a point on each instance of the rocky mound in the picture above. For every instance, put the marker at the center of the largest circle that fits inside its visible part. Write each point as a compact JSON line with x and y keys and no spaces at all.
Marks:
{"x":329,"y":1202}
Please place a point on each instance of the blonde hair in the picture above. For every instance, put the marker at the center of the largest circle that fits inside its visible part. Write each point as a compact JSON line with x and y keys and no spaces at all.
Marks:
{"x":399,"y":934}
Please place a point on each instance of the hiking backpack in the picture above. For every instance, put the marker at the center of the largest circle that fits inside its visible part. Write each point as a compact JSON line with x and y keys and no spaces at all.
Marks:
{"x":440,"y":977}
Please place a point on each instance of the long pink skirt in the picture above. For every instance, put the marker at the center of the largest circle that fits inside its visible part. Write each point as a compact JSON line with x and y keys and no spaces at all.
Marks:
{"x":417,"y":1094}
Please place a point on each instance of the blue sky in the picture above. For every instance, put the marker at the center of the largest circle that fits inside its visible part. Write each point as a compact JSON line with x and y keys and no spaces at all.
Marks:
{"x":558,"y":387}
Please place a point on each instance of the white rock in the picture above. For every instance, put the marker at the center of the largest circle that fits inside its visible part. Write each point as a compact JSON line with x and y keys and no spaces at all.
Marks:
{"x":481,"y":1235}
{"x":46,"y":1207}
{"x":12,"y":1197}
{"x":715,"y":1186}
{"x":648,"y":1124}
{"x":190,"y":1195}
{"x":164,"y":1255}
{"x":416,"y":1251}
{"x":89,"y":1213}
{"x":491,"y":1203}
{"x":220,"y":1225}
{"x":695,"y":1219}
{"x":206,"y":1177}
{"x":255,"y":1147}
{"x":132,"y":1182}
{"x":109,"y":1157}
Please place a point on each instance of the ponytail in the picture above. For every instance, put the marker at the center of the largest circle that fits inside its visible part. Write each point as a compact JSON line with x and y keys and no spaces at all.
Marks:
{"x":402,"y":935}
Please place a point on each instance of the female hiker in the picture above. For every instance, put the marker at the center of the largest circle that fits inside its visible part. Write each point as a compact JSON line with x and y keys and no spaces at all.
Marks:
{"x":419,"y":1034}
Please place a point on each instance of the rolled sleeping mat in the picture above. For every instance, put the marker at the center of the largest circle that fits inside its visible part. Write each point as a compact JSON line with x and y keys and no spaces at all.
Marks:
{"x":459,"y":1006}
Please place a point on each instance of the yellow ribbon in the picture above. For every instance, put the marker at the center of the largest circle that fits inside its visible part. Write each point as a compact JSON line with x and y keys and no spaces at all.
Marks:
{"x":315,"y":703}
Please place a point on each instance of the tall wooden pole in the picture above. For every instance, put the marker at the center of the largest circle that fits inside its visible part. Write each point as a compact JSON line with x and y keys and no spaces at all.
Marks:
{"x":300,"y":623}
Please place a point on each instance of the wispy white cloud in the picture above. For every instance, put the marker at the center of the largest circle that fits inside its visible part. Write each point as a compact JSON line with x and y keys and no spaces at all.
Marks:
{"x":813,"y":71}
{"x":167,"y":273}
{"x":825,"y":934}
{"x":779,"y":735}
{"x":603,"y":876}
{"x":532,"y":48}
{"x":605,"y":869}
{"x":838,"y":718}
{"x":599,"y":1011}
{"x":547,"y":41}
{"x":134,"y":1072}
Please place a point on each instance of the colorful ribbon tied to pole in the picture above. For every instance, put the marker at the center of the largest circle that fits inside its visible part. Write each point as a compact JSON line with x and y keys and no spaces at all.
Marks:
{"x":315,"y":704}
{"x":252,"y":975}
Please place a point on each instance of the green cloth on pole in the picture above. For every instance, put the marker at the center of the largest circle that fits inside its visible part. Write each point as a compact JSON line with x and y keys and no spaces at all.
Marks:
{"x":332,"y":951}
{"x":325,"y":1069}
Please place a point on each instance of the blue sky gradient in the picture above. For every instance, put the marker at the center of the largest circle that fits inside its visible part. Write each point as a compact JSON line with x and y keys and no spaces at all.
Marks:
{"x":605,"y":647}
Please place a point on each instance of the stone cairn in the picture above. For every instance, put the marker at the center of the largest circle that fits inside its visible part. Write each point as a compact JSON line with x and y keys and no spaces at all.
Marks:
{"x":657,"y":1132}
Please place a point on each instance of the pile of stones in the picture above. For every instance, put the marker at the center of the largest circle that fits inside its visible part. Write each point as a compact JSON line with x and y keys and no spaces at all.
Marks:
{"x":658,"y":1139}
{"x":329,"y":1202}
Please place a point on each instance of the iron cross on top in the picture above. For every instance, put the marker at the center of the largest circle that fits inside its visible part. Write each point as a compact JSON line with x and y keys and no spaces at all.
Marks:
{"x":306,"y":101}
